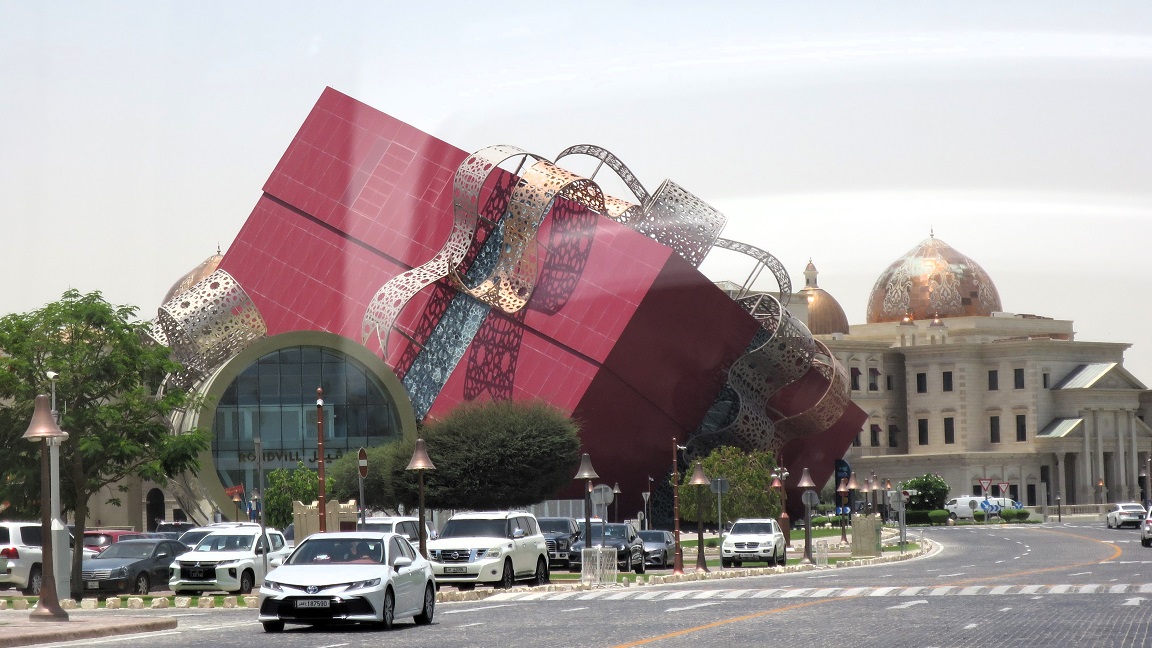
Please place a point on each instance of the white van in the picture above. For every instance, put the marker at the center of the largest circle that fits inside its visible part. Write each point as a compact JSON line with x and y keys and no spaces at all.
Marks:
{"x":961,"y":508}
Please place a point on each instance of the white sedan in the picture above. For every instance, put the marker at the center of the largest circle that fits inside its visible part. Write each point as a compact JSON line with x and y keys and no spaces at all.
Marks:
{"x":352,"y":577}
{"x":1122,"y":514}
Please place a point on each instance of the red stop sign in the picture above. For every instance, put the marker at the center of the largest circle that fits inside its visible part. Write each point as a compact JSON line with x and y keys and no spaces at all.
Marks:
{"x":363,"y":462}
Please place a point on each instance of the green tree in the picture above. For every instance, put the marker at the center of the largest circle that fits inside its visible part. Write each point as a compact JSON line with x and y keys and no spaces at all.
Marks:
{"x":495,"y":454}
{"x":111,"y":401}
{"x":932,"y":492}
{"x":749,"y":476}
{"x":285,"y":486}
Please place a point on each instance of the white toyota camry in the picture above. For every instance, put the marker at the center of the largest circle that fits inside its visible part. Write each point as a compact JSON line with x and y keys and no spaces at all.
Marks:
{"x":351,"y":577}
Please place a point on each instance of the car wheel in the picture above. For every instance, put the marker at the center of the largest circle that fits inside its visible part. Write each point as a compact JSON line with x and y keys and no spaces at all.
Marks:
{"x":664,"y":561}
{"x":388,"y":612}
{"x":273,"y":626}
{"x":425,"y":616}
{"x":1108,"y":522}
{"x":952,"y":516}
{"x":1147,"y":542}
{"x":784,"y":557}
{"x":247,"y":580}
{"x":627,"y":564}
{"x":35,"y":580}
{"x":724,"y":562}
{"x":541,"y":575}
{"x":141,"y":586}
{"x":640,"y":566}
{"x":508,"y":578}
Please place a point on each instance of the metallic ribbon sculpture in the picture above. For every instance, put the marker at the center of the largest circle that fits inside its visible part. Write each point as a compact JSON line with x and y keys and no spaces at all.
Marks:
{"x":207,"y":325}
{"x":783,"y":354}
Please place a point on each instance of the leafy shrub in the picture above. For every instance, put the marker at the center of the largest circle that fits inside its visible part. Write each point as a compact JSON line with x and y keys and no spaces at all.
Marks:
{"x":938,"y":516}
{"x":819,"y":521}
{"x":917,"y":517}
{"x":978,"y":515}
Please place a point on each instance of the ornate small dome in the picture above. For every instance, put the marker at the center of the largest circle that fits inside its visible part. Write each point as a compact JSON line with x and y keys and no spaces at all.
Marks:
{"x":932,"y":280}
{"x":195,"y":276}
{"x":825,"y":315}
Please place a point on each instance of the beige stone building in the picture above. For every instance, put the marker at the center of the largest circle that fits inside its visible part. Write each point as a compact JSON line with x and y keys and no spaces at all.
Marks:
{"x":954,"y":385}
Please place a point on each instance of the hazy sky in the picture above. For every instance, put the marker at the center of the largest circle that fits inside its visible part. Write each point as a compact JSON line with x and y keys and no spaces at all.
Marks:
{"x":135,"y":137}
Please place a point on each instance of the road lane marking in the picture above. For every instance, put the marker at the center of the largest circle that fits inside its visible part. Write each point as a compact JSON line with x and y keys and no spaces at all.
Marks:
{"x":971,"y":626}
{"x":476,"y":609}
{"x":574,"y":609}
{"x":723,"y":622}
{"x":692,"y":607}
{"x":907,"y":604}
{"x":1134,"y":601}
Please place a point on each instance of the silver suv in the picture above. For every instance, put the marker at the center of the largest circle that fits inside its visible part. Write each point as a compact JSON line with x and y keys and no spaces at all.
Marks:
{"x":496,"y":547}
{"x":229,"y":559}
{"x":21,"y":555}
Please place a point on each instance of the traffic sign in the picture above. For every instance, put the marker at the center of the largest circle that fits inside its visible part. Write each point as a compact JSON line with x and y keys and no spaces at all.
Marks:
{"x":362,"y":461}
{"x":1004,"y":488}
{"x":602,"y":495}
{"x":719,"y":485}
{"x":985,"y":484}
{"x":233,"y":491}
{"x":810,"y":498}
{"x":905,"y":494}
{"x":1017,"y":504}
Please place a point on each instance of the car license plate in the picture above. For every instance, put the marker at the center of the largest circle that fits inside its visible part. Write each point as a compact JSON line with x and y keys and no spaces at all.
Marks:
{"x":312,"y":603}
{"x":195,"y":573}
{"x":455,"y":570}
{"x":93,"y":584}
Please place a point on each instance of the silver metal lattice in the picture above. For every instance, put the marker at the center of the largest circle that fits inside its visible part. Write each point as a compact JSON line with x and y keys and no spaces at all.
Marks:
{"x":207,"y":324}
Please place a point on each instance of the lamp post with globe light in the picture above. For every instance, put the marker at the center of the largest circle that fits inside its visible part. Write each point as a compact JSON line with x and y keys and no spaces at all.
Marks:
{"x":809,"y":497}
{"x":420,"y":462}
{"x":60,"y":534}
{"x":587,"y":473}
{"x":44,"y":428}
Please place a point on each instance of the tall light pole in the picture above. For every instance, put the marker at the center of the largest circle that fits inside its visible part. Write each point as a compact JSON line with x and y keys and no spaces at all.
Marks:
{"x":701,"y":480}
{"x":421,"y":462}
{"x":678,"y":561}
{"x":258,"y":443}
{"x":320,"y":455}
{"x":60,"y":533}
{"x":616,"y":498}
{"x":587,"y":473}
{"x":807,"y":485}
{"x":44,"y":428}
{"x":779,"y":480}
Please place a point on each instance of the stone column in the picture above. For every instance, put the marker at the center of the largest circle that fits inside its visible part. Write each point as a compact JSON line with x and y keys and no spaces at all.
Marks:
{"x":1085,"y":487}
{"x":1125,"y":489}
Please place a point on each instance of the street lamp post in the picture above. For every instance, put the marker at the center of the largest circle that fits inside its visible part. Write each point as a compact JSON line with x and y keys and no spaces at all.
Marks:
{"x":616,"y":499}
{"x":320,"y":456}
{"x":587,"y":473}
{"x":258,"y":443}
{"x":60,"y":534}
{"x":842,"y":489}
{"x":807,"y":485}
{"x":779,"y":480}
{"x":678,"y":561}
{"x":1100,"y":489}
{"x":700,"y":479}
{"x":421,"y":462}
{"x":1059,"y":517}
{"x":236,"y":505}
{"x":44,"y":428}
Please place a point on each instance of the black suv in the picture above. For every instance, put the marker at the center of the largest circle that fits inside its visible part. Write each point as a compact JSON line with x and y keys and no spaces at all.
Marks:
{"x":619,"y":535}
{"x":560,"y":533}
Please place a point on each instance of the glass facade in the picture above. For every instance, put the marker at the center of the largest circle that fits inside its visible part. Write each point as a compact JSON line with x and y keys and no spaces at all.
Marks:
{"x":275,"y":398}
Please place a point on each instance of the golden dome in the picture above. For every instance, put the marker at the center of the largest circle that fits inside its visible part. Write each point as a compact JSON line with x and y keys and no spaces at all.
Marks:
{"x":194,"y":277}
{"x":825,"y":315}
{"x":932,"y":280}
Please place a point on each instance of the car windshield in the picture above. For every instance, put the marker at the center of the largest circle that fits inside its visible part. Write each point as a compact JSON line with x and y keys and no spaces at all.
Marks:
{"x":320,"y":551}
{"x":751,"y":528}
{"x":378,"y":527}
{"x":608,"y":531}
{"x":225,"y":543}
{"x":1132,"y":507}
{"x":554,"y":526}
{"x":97,"y":540}
{"x":129,"y":550}
{"x":475,"y":528}
{"x":652,"y":536}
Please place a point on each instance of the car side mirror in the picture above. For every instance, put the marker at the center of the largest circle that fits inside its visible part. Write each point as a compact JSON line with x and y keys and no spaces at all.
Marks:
{"x":401,"y":561}
{"x":517,"y":533}
{"x":162,"y":554}
{"x":259,"y":550}
{"x":276,"y":562}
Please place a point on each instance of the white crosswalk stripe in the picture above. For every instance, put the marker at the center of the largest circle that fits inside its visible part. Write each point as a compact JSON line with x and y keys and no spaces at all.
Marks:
{"x":658,"y":595}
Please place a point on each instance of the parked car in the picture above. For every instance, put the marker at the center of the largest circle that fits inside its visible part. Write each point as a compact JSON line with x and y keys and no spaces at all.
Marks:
{"x":323,"y":581}
{"x":100,"y":539}
{"x":963,"y":507}
{"x":495,"y":547}
{"x":175,"y":527}
{"x":20,"y":546}
{"x":1124,"y":514}
{"x":559,"y":534}
{"x":754,"y":540}
{"x":133,"y":566}
{"x":620,"y":535}
{"x":659,"y":548}
{"x":192,"y":537}
{"x":1146,"y":530}
{"x":409,"y":527}
{"x":229,"y":559}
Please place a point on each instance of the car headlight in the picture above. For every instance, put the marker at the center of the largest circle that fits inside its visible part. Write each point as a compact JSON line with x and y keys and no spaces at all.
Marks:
{"x":274,"y":586}
{"x":374,"y":582}
{"x":227,"y":563}
{"x":561,"y":544}
{"x":120,"y":573}
{"x":494,"y":552}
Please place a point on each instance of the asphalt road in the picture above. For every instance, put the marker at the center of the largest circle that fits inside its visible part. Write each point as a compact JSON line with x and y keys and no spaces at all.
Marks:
{"x":1052,"y":585}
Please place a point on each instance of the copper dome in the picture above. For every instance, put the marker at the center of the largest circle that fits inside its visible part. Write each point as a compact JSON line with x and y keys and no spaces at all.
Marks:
{"x":194,"y":277}
{"x":932,"y":280}
{"x":825,"y":316}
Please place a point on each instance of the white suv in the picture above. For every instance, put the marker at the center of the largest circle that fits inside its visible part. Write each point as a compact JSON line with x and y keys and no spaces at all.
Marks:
{"x":754,"y":540}
{"x":493,"y":547}
{"x":21,"y":556}
{"x":229,"y":559}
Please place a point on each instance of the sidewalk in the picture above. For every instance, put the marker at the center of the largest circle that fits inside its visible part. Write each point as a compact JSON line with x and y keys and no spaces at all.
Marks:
{"x":17,"y":628}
